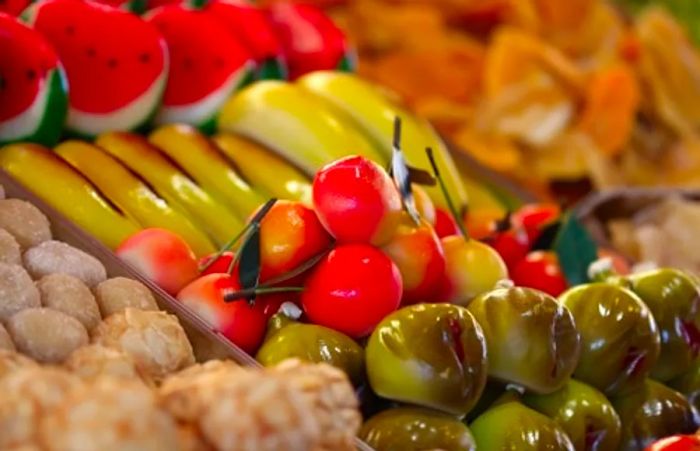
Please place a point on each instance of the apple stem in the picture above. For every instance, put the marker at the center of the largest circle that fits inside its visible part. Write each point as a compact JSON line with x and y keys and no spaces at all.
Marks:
{"x":244,"y":231}
{"x":446,"y":194}
{"x":302,"y":268}
{"x":251,"y":292}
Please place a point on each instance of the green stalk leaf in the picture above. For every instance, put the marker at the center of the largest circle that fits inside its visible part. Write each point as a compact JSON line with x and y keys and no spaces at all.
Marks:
{"x":249,"y":260}
{"x":421,"y":177}
{"x":250,"y":293}
{"x":546,"y":238}
{"x":450,"y":204}
{"x":401,"y":174}
{"x":248,"y":256}
{"x":299,"y":270}
{"x":243,"y":232}
{"x":575,"y":249}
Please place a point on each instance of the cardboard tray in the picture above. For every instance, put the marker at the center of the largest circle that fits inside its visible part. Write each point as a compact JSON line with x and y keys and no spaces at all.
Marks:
{"x":209,"y":342}
{"x":597,"y":209}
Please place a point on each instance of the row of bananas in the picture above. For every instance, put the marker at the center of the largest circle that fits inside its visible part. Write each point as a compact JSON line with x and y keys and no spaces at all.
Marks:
{"x":272,"y":137}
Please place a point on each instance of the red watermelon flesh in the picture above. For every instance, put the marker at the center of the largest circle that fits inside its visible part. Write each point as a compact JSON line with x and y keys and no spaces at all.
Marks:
{"x":310,"y":39}
{"x":27,"y":65}
{"x":13,"y":7}
{"x":153,"y":4}
{"x":113,"y":59}
{"x":25,"y":60}
{"x":250,"y":26}
{"x":207,"y":64}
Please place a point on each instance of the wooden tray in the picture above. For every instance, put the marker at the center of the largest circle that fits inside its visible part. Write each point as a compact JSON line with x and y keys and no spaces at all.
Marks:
{"x":209,"y":342}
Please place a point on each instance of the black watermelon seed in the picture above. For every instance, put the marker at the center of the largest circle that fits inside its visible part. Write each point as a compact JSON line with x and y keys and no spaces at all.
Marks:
{"x":112,"y":63}
{"x":3,"y":83}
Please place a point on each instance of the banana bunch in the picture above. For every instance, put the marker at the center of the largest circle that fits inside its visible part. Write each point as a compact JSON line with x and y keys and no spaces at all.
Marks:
{"x":272,"y":138}
{"x":327,"y":115}
{"x":175,"y":178}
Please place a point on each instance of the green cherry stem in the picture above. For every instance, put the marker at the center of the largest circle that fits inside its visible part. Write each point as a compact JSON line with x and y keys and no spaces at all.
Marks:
{"x":251,"y":292}
{"x":446,"y":194}
{"x":245,"y":231}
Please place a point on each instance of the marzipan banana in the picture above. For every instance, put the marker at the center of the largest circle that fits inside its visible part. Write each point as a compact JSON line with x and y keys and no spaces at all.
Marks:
{"x":265,"y":170}
{"x":168,"y":181}
{"x":294,"y":124}
{"x":51,"y":179}
{"x":201,"y":160}
{"x":369,"y":109}
{"x":130,"y":194}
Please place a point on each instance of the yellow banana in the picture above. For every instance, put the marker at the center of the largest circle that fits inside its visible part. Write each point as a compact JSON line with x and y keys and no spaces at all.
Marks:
{"x":180,"y":191}
{"x":364,"y":104}
{"x":51,"y":179}
{"x":130,"y":194}
{"x":201,"y":160}
{"x":294,"y":124}
{"x":266,"y":171}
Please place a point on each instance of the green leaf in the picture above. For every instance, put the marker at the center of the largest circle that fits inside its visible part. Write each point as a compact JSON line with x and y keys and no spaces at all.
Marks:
{"x":299,"y":270}
{"x":421,"y":177}
{"x":401,"y":174}
{"x":249,"y":260}
{"x":546,"y":237}
{"x":576,"y":250}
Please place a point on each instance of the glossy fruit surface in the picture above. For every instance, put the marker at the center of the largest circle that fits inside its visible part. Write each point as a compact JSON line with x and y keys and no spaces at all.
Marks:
{"x":583,"y":413}
{"x":445,"y":225}
{"x":651,"y":413}
{"x":688,"y":384}
{"x":540,"y":270}
{"x":316,"y":344}
{"x":239,"y":321}
{"x":415,"y":429}
{"x":532,"y":340}
{"x":532,"y":217}
{"x":351,"y":289}
{"x":433,"y":355}
{"x":424,"y":205}
{"x":310,"y":39}
{"x":290,"y":234}
{"x":512,"y":426}
{"x":512,"y":245}
{"x":674,"y":300}
{"x":483,"y":222}
{"x":620,"y":340}
{"x":356,"y":201}
{"x":471,"y":268}
{"x":161,"y":256}
{"x":676,"y":443}
{"x":417,"y":252}
{"x":223,"y":264}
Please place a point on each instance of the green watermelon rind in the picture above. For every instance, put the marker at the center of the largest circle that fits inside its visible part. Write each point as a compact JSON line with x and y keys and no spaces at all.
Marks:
{"x":133,"y":116}
{"x":348,"y":63}
{"x":272,"y":69}
{"x":203,"y":113}
{"x":48,"y":129}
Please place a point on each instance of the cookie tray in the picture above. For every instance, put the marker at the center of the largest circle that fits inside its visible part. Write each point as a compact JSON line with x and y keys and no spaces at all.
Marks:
{"x":207,"y":342}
